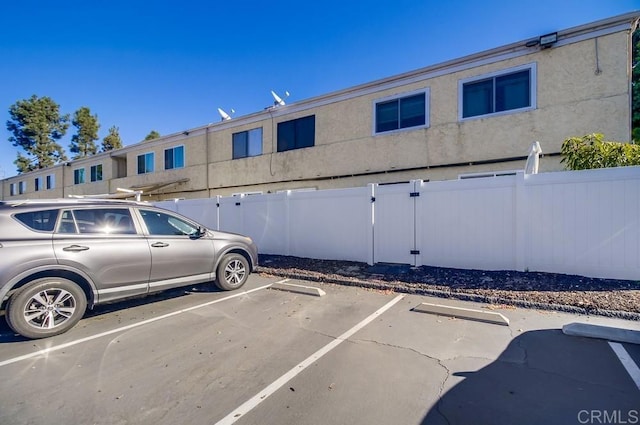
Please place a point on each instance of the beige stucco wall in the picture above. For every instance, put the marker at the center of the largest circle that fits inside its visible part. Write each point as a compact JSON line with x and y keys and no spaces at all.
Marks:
{"x":581,"y":87}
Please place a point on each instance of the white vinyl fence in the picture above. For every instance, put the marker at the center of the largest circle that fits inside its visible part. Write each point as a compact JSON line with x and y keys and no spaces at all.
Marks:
{"x":575,"y":222}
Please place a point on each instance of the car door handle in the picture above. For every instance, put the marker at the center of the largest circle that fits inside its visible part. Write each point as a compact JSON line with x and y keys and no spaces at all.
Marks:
{"x":159,"y":245}
{"x":75,"y":248}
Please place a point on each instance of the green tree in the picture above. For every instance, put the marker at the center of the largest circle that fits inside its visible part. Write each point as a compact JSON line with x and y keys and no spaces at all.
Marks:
{"x":152,"y":135}
{"x":635,"y":87}
{"x":592,"y":151}
{"x":36,"y":125}
{"x":112,"y":140}
{"x":83,"y":143}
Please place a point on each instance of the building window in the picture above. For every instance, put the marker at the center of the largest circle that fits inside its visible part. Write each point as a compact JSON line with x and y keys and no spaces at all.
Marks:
{"x":51,"y":181}
{"x":22,"y":187}
{"x":96,"y":173}
{"x":408,"y":111}
{"x":498,"y":93}
{"x":13,"y":189}
{"x":174,"y":158}
{"x":37,"y":184}
{"x":247,"y":143}
{"x":145,"y":163}
{"x":78,"y":176}
{"x":297,"y":134}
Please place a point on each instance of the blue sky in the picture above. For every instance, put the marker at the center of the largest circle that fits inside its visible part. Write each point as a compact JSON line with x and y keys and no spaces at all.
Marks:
{"x":168,"y":65}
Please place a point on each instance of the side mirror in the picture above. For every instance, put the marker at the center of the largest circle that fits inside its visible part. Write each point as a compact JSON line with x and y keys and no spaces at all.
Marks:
{"x":200,"y":232}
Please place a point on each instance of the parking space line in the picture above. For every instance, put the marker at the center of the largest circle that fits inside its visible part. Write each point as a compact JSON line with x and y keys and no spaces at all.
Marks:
{"x":632,"y":369}
{"x":124,"y":328}
{"x":250,"y":404}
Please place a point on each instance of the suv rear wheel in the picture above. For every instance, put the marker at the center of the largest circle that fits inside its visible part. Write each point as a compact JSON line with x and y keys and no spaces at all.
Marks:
{"x":46,"y":307}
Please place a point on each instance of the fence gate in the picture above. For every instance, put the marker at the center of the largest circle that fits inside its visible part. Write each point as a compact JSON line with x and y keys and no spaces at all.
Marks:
{"x":394,"y":228}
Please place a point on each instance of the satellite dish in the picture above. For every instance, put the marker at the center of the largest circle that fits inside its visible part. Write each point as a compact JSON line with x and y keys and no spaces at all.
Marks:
{"x":223,"y":115}
{"x":278,"y":101}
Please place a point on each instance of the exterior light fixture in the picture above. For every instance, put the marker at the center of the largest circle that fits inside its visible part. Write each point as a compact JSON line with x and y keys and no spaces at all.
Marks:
{"x":548,"y":40}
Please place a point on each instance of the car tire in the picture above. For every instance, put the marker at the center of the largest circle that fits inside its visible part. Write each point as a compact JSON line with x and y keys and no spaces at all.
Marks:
{"x":233,"y":272}
{"x":46,"y":307}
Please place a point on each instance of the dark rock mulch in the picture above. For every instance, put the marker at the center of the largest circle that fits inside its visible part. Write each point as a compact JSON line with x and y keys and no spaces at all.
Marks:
{"x":549,"y":291}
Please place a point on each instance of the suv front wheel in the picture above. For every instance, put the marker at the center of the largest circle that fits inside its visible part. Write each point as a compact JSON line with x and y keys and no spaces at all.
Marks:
{"x":46,"y":307}
{"x":233,"y":272}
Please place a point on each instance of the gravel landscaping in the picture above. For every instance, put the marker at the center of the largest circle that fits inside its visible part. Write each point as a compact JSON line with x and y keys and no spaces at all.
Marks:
{"x":548,"y":291}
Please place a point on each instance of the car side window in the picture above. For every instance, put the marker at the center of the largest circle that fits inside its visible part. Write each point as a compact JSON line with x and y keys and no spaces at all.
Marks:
{"x":43,"y":221}
{"x":106,"y":221}
{"x":164,"y":224}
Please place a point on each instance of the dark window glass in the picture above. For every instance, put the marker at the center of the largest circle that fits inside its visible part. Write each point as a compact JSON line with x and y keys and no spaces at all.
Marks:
{"x":78,"y":176}
{"x":43,"y":221}
{"x":96,"y":173}
{"x":497,"y":94}
{"x":512,"y":91}
{"x":400,"y":113}
{"x":36,"y":184}
{"x":477,"y":98}
{"x":297,"y":134}
{"x":145,"y":163}
{"x":412,"y":111}
{"x":240,"y":145}
{"x":50,"y":181}
{"x":174,"y":158}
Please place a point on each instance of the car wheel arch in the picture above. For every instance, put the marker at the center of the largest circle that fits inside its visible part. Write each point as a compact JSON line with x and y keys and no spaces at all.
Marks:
{"x":235,"y":250}
{"x":83,"y":282}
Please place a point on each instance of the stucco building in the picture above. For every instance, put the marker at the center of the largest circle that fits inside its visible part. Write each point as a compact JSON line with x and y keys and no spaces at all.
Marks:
{"x":474,"y":114}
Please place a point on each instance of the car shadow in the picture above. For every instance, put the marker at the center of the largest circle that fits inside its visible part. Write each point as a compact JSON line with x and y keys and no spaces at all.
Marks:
{"x":8,"y":336}
{"x":542,"y":377}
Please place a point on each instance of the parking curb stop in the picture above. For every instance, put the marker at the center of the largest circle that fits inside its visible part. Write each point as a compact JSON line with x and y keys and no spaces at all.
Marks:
{"x":300,"y":289}
{"x":602,"y":332}
{"x":463,"y":313}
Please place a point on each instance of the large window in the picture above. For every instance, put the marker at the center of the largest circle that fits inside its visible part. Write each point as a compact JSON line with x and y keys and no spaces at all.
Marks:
{"x":498,"y":93}
{"x":78,"y":176}
{"x":145,"y":163}
{"x":96,"y":173}
{"x":297,"y":134}
{"x":247,"y":143}
{"x":174,"y":158}
{"x":398,"y":113}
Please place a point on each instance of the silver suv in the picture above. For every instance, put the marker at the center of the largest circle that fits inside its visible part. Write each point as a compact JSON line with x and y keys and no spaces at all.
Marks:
{"x":59,"y":257}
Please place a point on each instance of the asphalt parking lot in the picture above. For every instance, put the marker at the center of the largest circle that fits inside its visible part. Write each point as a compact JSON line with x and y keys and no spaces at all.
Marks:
{"x":352,"y":356}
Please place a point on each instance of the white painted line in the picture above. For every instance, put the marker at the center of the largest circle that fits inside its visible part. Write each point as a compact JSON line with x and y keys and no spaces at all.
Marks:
{"x":280,"y":382}
{"x":632,"y":369}
{"x":124,"y":328}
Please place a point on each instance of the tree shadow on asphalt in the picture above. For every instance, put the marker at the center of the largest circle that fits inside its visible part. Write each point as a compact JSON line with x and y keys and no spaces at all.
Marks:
{"x":542,"y":377}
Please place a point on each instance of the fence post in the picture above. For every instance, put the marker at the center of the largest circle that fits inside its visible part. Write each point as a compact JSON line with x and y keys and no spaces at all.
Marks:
{"x":217,"y":218}
{"x":371,"y":222}
{"x":521,"y":219}
{"x":287,"y":222}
